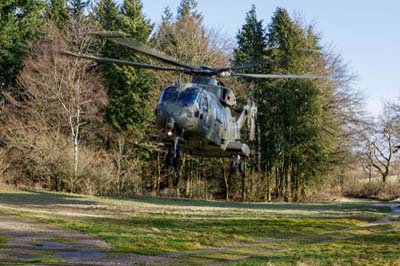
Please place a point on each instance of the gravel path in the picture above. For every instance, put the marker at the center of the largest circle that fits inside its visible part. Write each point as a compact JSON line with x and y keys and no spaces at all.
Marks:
{"x":30,"y":241}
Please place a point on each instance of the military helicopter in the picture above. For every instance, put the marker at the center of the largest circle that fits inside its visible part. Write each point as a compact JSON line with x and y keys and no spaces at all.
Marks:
{"x":195,"y":117}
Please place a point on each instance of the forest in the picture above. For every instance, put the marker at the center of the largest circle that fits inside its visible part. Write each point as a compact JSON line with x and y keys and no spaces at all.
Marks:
{"x":73,"y":125}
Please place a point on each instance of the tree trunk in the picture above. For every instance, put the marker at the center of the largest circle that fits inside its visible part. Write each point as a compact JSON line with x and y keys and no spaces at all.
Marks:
{"x":244,"y":182}
{"x":288,"y":182}
{"x":225,"y":179}
{"x":268,"y":186}
{"x":158,"y":173}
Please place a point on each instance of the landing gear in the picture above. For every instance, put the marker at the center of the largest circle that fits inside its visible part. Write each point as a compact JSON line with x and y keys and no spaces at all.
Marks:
{"x":237,"y":165}
{"x":174,"y":159}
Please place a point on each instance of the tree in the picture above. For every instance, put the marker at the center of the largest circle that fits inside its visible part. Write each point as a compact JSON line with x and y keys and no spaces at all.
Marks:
{"x":382,"y":144}
{"x":396,"y":109}
{"x":251,"y":47}
{"x":187,"y":39}
{"x":106,"y":13}
{"x":46,"y":117}
{"x":129,"y":89}
{"x":251,"y":43}
{"x":76,"y":9}
{"x":19,"y":23}
{"x":57,"y":12}
{"x":188,"y":8}
{"x":290,"y":114}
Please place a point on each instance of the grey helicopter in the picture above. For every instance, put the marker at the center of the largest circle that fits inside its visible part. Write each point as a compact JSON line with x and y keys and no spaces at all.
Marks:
{"x":195,"y":117}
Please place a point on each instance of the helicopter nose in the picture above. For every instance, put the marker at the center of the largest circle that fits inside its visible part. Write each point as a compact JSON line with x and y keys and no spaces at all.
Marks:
{"x":170,"y":123}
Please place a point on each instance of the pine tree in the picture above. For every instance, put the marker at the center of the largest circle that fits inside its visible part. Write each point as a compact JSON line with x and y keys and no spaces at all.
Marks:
{"x":294,"y":113}
{"x":76,"y":8}
{"x":106,"y":14}
{"x":19,"y":23}
{"x":250,"y":40}
{"x":129,"y":88}
{"x":57,"y":12}
{"x":286,"y":39}
{"x":187,"y":8}
{"x":290,"y":112}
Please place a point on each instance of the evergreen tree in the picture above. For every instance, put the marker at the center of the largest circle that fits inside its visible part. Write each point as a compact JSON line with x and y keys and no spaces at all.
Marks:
{"x":251,"y":47}
{"x":187,"y":8}
{"x":294,"y":115}
{"x":19,"y":23}
{"x":106,"y":14}
{"x":289,"y":111}
{"x":129,"y":88}
{"x":286,"y":41}
{"x":57,"y":12}
{"x":251,"y":40}
{"x":76,"y":8}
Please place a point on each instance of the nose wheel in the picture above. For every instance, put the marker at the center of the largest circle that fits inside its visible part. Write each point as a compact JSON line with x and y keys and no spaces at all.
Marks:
{"x":237,"y":165}
{"x":174,"y":158}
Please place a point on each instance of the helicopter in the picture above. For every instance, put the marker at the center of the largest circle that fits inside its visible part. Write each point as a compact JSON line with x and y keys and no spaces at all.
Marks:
{"x":195,"y":117}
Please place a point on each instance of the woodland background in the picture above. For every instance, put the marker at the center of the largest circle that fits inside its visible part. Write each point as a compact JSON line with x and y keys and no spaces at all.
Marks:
{"x":73,"y":125}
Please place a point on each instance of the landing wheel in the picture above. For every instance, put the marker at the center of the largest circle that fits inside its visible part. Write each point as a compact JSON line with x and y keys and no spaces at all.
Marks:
{"x":237,"y":165}
{"x":174,"y":159}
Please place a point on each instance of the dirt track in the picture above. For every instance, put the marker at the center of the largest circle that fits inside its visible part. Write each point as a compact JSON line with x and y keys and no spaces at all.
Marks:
{"x":29,"y":240}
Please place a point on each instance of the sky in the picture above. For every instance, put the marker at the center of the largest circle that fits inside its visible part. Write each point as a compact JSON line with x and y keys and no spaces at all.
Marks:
{"x":366,"y":34}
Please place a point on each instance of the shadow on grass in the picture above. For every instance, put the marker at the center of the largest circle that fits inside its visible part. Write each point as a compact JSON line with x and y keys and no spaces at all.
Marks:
{"x":343,"y":207}
{"x":48,"y":198}
{"x":42,"y":198}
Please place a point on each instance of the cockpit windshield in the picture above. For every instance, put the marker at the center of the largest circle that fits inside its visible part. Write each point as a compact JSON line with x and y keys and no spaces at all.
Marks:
{"x":188,"y":96}
{"x":170,"y":94}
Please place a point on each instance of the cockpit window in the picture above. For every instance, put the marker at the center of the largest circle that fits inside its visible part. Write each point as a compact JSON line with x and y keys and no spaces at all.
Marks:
{"x":188,"y":96}
{"x":170,"y":94}
{"x":204,"y":103}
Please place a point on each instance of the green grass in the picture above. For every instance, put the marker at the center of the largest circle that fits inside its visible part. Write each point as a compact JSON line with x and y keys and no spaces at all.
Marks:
{"x":281,"y":234}
{"x":374,"y":249}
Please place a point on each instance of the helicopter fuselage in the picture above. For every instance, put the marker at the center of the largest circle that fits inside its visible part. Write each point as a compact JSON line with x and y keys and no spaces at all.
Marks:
{"x":199,"y":115}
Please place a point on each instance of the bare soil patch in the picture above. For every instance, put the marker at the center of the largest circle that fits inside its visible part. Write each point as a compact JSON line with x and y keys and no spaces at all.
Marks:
{"x":32,"y":241}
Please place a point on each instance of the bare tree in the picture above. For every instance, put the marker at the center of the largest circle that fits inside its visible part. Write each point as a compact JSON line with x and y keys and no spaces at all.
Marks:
{"x":57,"y":97}
{"x":187,"y":39}
{"x":381,"y":145}
{"x":395,"y":106}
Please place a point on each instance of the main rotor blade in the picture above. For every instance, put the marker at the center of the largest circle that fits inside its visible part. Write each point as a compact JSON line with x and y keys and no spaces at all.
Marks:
{"x":277,"y":76}
{"x":244,"y":66}
{"x":137,"y":46}
{"x":122,"y":62}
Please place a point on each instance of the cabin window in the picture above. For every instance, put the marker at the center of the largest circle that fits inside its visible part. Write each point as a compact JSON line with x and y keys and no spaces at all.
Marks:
{"x":170,"y":94}
{"x":204,"y":103}
{"x":188,"y":96}
{"x":220,"y":113}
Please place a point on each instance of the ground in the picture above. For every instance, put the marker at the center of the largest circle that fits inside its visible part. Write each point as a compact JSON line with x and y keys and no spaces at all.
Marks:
{"x":44,"y":228}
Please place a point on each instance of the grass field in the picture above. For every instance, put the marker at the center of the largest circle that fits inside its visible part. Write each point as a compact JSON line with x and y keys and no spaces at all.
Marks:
{"x":219,"y":233}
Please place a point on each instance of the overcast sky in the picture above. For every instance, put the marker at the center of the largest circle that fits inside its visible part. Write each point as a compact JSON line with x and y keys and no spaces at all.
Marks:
{"x":366,"y":33}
